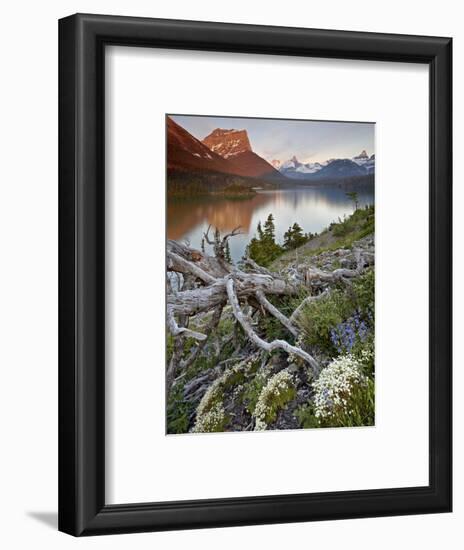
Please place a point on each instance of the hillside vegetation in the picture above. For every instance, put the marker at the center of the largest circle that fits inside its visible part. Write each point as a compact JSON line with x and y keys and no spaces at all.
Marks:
{"x":284,"y":340}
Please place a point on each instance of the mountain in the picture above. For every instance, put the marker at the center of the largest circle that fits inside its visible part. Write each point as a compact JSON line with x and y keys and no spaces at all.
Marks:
{"x":362,"y":156}
{"x":227,"y":143}
{"x":234,"y":146}
{"x":294,"y":168}
{"x":252,"y":165}
{"x":225,"y":158}
{"x":341,"y":168}
{"x":367,"y":162}
{"x":360,"y":165}
{"x":193,"y":168}
{"x":186,"y":153}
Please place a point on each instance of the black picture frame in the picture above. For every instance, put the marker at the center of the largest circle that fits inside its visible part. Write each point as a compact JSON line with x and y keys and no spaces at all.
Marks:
{"x":82,"y":508}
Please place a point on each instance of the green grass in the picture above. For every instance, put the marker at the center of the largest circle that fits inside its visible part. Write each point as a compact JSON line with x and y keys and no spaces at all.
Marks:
{"x":178,"y":411}
{"x":306,"y":417}
{"x":341,"y":234}
{"x":252,"y":391}
{"x":318,"y":318}
{"x":360,"y":224}
{"x":361,"y":404}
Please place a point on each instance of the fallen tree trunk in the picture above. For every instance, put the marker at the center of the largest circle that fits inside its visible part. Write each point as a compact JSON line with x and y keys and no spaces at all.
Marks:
{"x":205,"y":298}
{"x":213,"y":283}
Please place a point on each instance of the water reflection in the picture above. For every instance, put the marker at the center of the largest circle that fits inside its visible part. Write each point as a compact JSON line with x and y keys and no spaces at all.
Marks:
{"x":186,"y":214}
{"x":312,"y":208}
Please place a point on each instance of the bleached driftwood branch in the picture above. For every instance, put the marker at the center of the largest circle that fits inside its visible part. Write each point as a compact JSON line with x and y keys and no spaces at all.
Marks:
{"x":176,"y":330}
{"x":181,"y":265}
{"x":297,"y":312}
{"x":266,"y":346}
{"x":276,"y":313}
{"x":215,"y":318}
{"x":212,"y":282}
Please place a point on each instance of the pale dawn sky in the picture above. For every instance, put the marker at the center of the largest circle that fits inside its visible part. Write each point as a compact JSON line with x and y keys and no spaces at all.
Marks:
{"x":309,"y":140}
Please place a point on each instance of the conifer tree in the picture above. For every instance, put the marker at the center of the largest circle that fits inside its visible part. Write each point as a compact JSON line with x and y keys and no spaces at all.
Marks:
{"x":288,"y":239}
{"x":263,"y":249}
{"x":227,"y":255}
{"x":269,"y":228}
{"x":353,"y":196}
{"x":294,"y":237}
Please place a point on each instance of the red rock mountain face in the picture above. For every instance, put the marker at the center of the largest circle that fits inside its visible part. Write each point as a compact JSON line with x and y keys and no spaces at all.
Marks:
{"x":235,"y":146}
{"x":228,"y":143}
{"x":229,"y":152}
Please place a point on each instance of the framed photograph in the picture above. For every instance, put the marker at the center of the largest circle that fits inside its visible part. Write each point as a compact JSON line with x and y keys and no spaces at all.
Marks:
{"x":255,"y":274}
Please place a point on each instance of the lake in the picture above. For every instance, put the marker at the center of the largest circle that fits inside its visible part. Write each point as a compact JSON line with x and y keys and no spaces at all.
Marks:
{"x":314,"y":208}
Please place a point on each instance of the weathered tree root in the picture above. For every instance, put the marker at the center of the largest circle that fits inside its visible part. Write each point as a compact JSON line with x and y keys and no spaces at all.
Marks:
{"x":266,"y":346}
{"x":276,"y":313}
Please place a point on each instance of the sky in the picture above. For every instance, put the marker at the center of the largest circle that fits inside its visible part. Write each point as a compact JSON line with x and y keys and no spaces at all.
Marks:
{"x":308,"y":140}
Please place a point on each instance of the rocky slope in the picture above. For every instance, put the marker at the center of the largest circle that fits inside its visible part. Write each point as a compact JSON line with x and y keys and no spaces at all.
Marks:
{"x":186,"y":153}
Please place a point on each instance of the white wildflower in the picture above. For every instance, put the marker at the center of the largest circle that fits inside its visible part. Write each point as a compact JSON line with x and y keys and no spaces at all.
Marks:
{"x":210,"y":411}
{"x":278,"y":388}
{"x":334,"y":386}
{"x":211,"y":421}
{"x":367,"y":355}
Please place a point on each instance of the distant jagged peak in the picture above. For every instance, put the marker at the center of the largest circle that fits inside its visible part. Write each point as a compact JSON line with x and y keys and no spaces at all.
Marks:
{"x":362,"y":155}
{"x":294,"y":164}
{"x":227,"y":142}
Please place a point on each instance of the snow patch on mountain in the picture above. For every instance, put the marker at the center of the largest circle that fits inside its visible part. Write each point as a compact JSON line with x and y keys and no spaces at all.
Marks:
{"x":294,"y":165}
{"x":358,"y":165}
